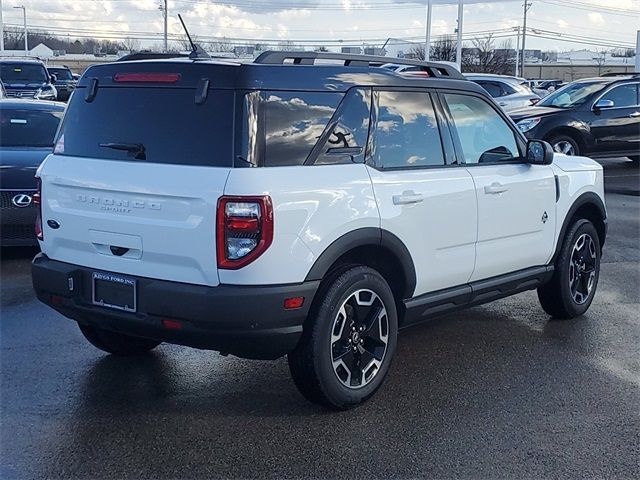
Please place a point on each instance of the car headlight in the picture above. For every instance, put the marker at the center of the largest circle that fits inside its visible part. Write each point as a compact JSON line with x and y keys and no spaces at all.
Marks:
{"x":527,"y":124}
{"x":46,"y":93}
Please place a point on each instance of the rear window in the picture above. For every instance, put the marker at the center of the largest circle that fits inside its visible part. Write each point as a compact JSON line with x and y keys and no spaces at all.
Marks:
{"x":23,"y":72}
{"x":28,"y":128}
{"x":166,"y":122}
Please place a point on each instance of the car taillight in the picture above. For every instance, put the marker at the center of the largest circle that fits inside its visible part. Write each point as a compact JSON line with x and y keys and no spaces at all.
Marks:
{"x":244,"y":230}
{"x":36,"y":200}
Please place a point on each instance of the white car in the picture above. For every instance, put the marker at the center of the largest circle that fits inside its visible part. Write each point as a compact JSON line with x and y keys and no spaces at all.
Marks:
{"x":510,"y":92}
{"x":312,"y":210}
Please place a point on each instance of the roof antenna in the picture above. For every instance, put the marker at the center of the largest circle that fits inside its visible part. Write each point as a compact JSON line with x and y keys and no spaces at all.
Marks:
{"x":196,"y":50}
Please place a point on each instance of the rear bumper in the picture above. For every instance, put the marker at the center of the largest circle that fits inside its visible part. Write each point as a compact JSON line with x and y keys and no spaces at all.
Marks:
{"x":246,"y":321}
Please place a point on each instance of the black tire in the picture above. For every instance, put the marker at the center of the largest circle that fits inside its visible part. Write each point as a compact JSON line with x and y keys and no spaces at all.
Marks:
{"x":635,"y":159}
{"x":558,"y":298}
{"x":312,"y":362}
{"x":117,"y":343}
{"x":556,"y":140}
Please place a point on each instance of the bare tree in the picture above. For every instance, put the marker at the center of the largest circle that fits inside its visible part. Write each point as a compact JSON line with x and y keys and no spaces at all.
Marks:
{"x":443,"y":49}
{"x":131,"y":44}
{"x":483,"y":57}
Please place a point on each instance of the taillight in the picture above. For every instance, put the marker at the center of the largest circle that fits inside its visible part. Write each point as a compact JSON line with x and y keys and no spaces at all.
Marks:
{"x":244,"y":230}
{"x":36,"y":200}
{"x":59,"y":148}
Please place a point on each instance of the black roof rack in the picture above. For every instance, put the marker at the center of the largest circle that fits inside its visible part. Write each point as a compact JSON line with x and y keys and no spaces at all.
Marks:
{"x":434,"y":69}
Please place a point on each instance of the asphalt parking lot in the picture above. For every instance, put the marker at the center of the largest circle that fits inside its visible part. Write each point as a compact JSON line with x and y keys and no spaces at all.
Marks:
{"x":498,"y":391}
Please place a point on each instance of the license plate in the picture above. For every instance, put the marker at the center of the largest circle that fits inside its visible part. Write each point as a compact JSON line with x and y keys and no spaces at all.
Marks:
{"x":114,"y":291}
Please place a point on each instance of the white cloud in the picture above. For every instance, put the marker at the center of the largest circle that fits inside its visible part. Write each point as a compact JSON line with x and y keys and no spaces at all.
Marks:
{"x":596,"y":18}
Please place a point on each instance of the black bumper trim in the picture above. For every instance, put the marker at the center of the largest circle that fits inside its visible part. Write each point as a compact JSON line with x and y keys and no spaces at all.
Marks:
{"x":246,"y":321}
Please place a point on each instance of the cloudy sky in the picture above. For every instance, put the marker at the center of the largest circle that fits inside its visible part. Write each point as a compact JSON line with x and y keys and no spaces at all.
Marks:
{"x":555,"y":24}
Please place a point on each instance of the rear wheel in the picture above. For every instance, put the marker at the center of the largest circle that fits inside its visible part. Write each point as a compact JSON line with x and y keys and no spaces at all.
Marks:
{"x":349,"y":341}
{"x":564,"y":144}
{"x":577,"y":269}
{"x":117,"y":343}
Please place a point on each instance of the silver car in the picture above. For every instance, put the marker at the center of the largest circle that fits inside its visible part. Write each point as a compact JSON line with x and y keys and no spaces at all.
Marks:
{"x":509,"y":92}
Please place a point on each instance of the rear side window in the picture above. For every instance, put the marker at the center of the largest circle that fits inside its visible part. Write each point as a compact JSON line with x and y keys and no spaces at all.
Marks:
{"x":293,"y":123}
{"x":492,"y":88}
{"x":28,"y":128}
{"x":167,"y":122}
{"x":406,"y":133}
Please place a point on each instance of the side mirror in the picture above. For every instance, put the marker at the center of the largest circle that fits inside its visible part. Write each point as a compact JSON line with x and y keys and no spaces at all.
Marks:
{"x":53,"y":78}
{"x":604,"y":104}
{"x":539,"y":152}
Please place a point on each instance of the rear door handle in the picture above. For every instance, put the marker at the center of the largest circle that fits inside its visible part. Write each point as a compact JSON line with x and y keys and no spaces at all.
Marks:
{"x":635,"y":115}
{"x":503,"y":104}
{"x":408,"y":197}
{"x":495,"y":188}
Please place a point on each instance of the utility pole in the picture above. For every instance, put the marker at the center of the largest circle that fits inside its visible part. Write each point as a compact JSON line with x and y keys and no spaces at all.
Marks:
{"x":527,"y":6}
{"x":459,"y":39}
{"x":427,"y":45}
{"x":517,"y":48}
{"x":26,"y":44}
{"x":163,"y":7}
{"x":1,"y":30}
{"x":637,"y":70}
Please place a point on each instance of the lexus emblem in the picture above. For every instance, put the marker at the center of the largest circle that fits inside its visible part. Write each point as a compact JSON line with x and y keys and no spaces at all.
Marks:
{"x":21,"y":200}
{"x":19,"y":94}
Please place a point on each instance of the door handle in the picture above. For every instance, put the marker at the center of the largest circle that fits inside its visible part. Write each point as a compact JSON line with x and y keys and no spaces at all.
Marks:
{"x":503,"y":104}
{"x":635,"y":115}
{"x":408,"y":197}
{"x":495,"y":188}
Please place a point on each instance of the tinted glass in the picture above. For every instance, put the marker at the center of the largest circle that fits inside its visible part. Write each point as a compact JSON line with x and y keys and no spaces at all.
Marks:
{"x":293,"y":122}
{"x":492,"y":88}
{"x":61,"y":73}
{"x":623,"y":96}
{"x":166,"y":121}
{"x":484,"y":136}
{"x":28,"y":128}
{"x":349,"y":129}
{"x":407,"y":132}
{"x":25,"y":72}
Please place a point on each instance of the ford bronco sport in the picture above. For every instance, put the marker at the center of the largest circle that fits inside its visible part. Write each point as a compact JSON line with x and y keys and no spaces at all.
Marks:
{"x":306,"y":204}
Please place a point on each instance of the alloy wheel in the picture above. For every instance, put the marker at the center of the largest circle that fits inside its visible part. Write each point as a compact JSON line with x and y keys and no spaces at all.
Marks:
{"x":564,"y":147}
{"x":582,"y":268}
{"x":359,"y":338}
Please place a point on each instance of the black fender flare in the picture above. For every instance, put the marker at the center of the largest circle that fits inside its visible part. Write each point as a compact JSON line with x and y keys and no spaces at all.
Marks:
{"x":588,"y":198}
{"x":367,"y":236}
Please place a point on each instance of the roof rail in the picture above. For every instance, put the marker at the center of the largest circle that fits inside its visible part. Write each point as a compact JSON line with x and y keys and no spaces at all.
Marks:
{"x":434,"y":69}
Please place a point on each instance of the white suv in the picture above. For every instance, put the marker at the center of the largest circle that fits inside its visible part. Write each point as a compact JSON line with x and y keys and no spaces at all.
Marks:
{"x":302,"y":208}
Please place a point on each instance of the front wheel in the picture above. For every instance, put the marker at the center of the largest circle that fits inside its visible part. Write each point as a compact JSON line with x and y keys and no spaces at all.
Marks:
{"x":577,"y":269}
{"x":564,"y":144}
{"x":117,"y":343}
{"x":348,"y":342}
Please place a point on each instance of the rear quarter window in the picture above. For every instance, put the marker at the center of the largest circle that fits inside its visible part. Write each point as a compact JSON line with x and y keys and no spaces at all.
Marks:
{"x":166,"y":121}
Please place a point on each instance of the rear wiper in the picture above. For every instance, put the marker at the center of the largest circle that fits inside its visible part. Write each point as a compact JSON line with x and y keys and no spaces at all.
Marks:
{"x":135,"y":150}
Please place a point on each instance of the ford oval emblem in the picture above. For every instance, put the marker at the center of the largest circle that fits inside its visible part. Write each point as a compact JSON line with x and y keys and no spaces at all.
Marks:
{"x":53,"y":224}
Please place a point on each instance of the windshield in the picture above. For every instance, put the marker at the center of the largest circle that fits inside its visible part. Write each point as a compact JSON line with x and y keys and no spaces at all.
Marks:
{"x":572,"y":95}
{"x":61,"y":73}
{"x":28,"y":128}
{"x":23,"y":72}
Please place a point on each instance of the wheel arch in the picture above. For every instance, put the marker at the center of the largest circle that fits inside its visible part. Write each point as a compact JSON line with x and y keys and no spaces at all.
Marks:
{"x":589,"y":206}
{"x":578,"y":135}
{"x":376,"y":248}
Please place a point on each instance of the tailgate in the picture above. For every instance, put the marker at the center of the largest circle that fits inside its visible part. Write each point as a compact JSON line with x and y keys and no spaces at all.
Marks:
{"x":149,"y":220}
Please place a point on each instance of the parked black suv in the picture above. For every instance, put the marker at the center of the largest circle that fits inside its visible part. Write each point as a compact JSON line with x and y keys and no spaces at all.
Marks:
{"x":596,"y":117}
{"x":63,"y":80}
{"x":27,"y":78}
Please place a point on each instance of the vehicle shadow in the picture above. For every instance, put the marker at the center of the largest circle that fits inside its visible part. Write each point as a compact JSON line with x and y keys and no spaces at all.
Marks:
{"x":477,"y":383}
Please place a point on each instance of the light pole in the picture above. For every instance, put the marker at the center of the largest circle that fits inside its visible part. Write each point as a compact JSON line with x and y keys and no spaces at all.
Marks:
{"x":26,"y":42}
{"x":1,"y":30}
{"x":527,"y":6}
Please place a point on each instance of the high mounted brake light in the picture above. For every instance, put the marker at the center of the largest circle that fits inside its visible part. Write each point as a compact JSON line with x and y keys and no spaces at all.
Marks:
{"x":147,"y":77}
{"x":244,"y":230}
